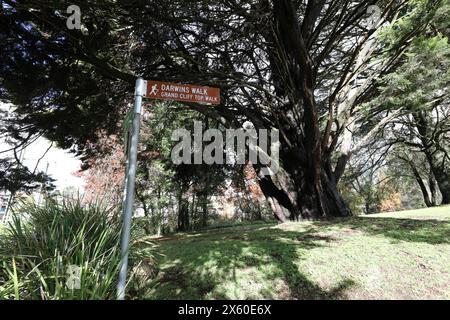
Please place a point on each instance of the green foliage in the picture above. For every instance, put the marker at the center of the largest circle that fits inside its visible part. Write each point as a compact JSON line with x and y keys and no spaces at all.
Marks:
{"x":161,"y":184}
{"x":17,"y":177}
{"x":415,"y":15}
{"x":423,"y":78}
{"x":65,"y":99}
{"x":43,"y":242}
{"x":441,"y":19}
{"x":354,"y":198}
{"x":424,"y":74}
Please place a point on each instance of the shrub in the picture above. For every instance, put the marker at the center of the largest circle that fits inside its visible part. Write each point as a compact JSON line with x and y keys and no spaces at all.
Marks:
{"x":44,"y":245}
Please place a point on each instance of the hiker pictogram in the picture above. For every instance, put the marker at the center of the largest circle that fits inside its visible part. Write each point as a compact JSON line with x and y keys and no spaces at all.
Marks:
{"x":154,"y":90}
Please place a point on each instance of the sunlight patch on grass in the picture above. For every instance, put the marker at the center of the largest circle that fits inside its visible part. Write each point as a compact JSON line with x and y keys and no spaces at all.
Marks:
{"x":442,"y":212}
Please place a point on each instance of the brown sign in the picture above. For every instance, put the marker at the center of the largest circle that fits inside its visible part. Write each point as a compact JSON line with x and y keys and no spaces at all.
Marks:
{"x":182,"y":92}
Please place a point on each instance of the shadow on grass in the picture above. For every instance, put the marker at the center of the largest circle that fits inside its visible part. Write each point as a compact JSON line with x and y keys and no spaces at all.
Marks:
{"x":429,"y":231}
{"x":248,"y":262}
{"x":199,"y":267}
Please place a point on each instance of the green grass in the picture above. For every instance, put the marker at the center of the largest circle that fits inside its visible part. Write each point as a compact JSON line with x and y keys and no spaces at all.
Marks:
{"x":426,"y":213}
{"x":404,"y":255}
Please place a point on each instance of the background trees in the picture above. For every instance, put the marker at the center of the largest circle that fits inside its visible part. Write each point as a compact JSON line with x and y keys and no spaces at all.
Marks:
{"x":420,"y":134}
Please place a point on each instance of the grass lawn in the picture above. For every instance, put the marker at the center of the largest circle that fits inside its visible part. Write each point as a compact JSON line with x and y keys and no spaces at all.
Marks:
{"x":403,"y":255}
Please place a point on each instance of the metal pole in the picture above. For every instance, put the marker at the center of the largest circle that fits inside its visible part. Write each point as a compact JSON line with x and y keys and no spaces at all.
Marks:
{"x":129,"y":188}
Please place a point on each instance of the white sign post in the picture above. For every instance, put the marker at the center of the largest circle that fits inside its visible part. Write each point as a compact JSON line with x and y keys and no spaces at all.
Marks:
{"x":156,"y":90}
{"x":129,"y":186}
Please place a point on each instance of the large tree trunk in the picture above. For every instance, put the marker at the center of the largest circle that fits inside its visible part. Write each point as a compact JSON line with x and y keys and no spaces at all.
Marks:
{"x":433,"y":188}
{"x":307,"y":204}
{"x":305,"y":187}
{"x":294,"y":196}
{"x":441,"y":174}
{"x":183,"y":213}
{"x":438,"y":166}
{"x":423,"y":188}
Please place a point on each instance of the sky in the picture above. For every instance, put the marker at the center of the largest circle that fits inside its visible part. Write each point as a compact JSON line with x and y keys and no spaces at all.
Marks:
{"x":61,"y":164}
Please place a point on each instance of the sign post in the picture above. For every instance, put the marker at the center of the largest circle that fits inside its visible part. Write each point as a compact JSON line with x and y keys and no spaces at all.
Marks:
{"x":151,"y":90}
{"x":129,"y":187}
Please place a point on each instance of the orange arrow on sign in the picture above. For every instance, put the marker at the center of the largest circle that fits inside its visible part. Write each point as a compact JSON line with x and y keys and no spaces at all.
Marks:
{"x":182,"y":92}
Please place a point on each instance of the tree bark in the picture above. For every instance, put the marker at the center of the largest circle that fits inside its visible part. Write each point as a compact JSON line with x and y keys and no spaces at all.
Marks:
{"x":305,"y":188}
{"x":292,"y":196}
{"x":433,"y":190}
{"x":183,"y":213}
{"x":423,"y":188}
{"x":437,"y":165}
{"x":441,"y":175}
